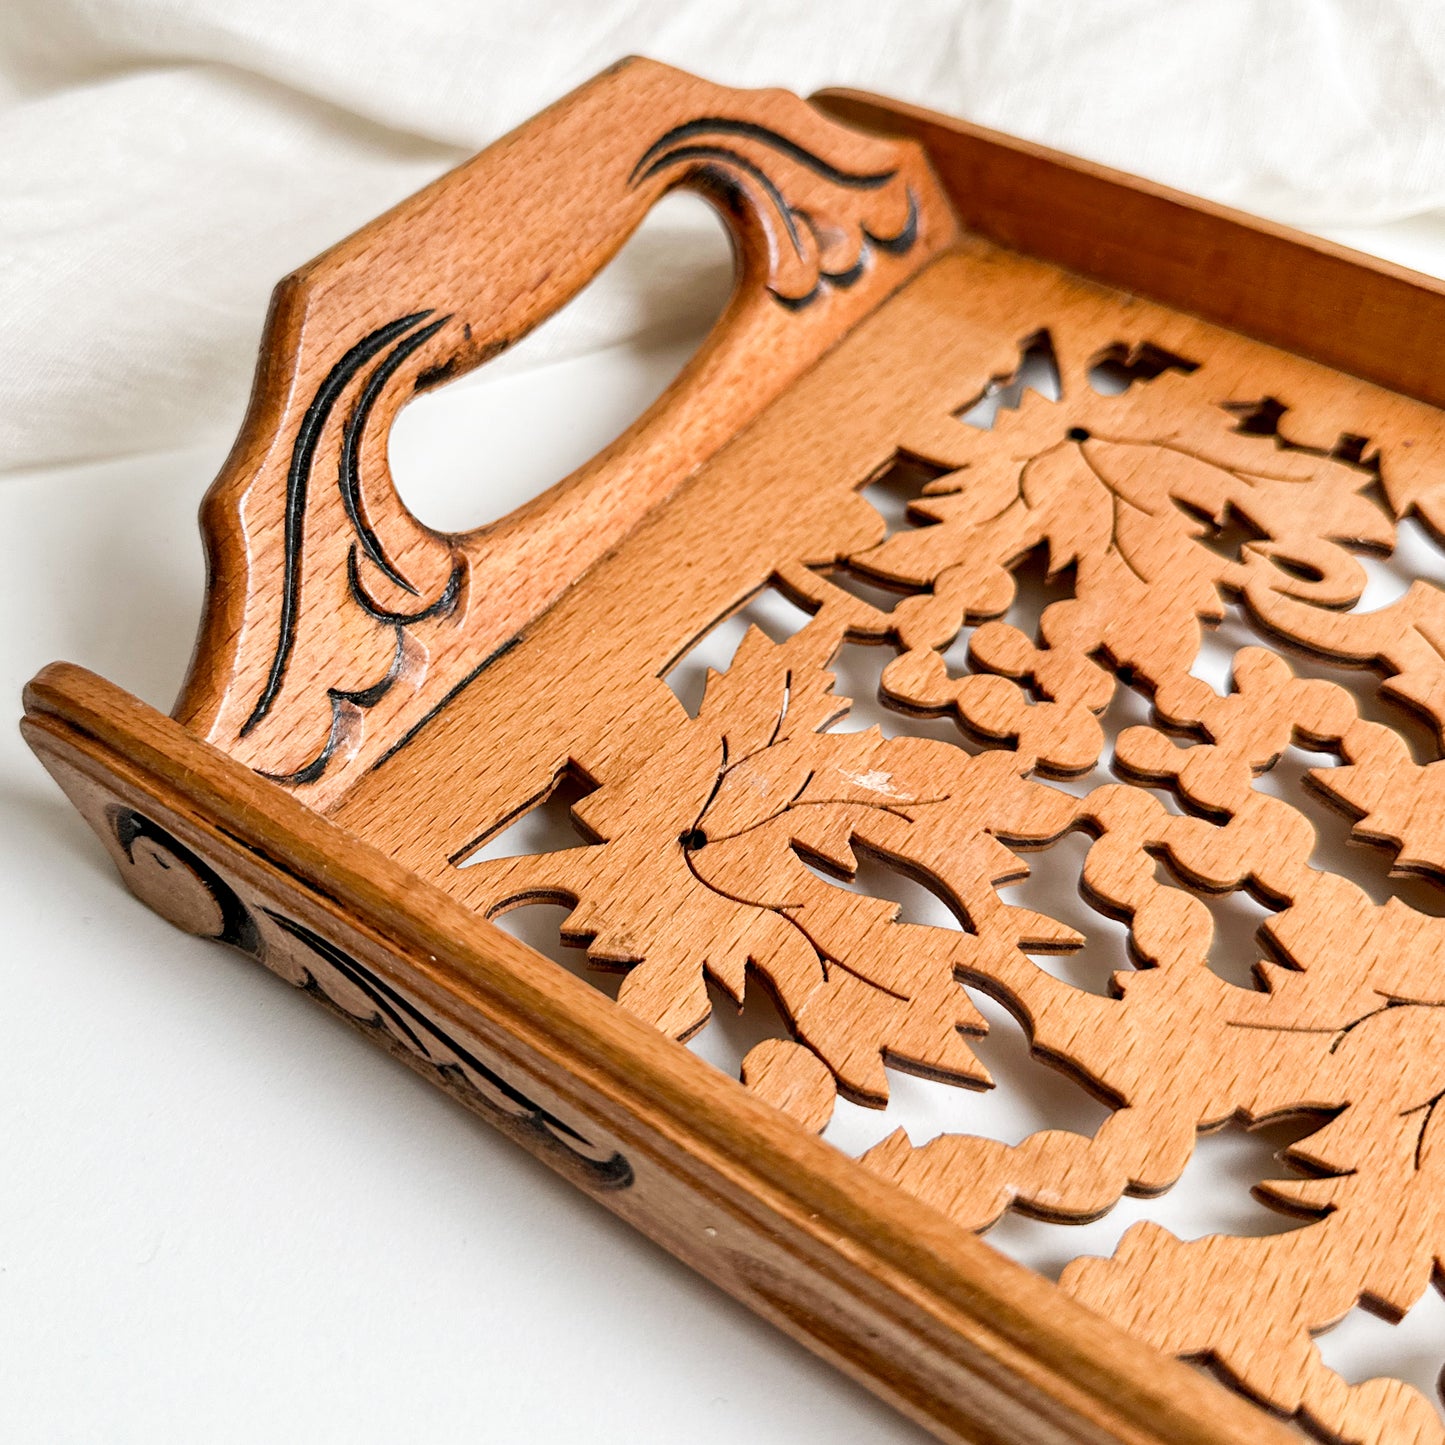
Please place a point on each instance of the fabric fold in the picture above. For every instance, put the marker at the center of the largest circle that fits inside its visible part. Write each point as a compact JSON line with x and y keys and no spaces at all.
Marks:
{"x":166,"y":161}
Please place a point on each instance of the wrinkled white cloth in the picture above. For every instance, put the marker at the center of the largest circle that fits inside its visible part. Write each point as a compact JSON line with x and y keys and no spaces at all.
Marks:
{"x":164,"y":162}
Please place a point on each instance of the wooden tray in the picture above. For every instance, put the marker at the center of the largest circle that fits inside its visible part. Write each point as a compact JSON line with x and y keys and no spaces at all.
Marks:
{"x":1241,"y":414}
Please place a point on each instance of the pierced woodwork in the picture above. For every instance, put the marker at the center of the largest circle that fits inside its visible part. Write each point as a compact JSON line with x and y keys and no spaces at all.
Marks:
{"x":1040,"y":501}
{"x":1158,"y":507}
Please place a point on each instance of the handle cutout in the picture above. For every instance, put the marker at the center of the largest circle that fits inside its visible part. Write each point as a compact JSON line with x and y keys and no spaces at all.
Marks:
{"x":466,"y":454}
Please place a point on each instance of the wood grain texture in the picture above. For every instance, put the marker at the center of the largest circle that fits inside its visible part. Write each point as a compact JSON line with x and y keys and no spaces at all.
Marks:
{"x":1223,"y":478}
{"x":1369,"y":317}
{"x":973,"y":1347}
{"x":898,"y":420}
{"x":335,"y":620}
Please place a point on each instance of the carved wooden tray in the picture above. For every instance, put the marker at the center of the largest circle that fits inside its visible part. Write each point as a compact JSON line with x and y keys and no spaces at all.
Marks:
{"x":1241,"y":415}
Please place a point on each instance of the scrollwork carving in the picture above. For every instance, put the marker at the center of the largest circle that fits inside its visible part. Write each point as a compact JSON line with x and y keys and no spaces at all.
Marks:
{"x":809,"y":253}
{"x":187,"y":890}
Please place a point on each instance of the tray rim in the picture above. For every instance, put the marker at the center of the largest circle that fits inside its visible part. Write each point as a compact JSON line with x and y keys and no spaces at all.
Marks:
{"x":984,"y":1333}
{"x":969,"y":1312}
{"x":1266,"y":280}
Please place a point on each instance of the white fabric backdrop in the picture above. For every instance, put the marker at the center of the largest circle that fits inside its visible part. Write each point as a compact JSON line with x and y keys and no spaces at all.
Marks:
{"x":163,"y":162}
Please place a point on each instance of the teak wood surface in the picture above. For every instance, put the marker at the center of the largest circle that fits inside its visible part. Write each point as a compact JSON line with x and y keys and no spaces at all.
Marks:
{"x":1239,"y":414}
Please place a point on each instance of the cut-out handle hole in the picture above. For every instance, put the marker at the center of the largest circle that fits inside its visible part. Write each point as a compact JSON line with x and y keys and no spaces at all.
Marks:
{"x":468,"y":453}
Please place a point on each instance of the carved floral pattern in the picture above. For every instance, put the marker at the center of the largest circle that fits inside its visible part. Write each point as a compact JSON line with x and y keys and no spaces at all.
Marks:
{"x":1157,"y":509}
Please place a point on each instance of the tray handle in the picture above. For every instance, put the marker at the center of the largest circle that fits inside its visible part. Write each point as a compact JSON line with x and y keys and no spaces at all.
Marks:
{"x":334,"y":618}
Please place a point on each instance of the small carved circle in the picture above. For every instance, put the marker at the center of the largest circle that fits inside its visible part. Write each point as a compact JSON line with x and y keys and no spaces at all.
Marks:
{"x":163,"y":883}
{"x":180,"y":885}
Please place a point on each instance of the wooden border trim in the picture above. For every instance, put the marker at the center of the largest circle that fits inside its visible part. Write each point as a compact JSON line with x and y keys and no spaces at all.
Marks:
{"x":969,"y":1344}
{"x":1376,"y":320}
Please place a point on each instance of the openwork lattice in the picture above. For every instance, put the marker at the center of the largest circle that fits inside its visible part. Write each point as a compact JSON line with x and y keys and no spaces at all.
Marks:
{"x":956,"y":372}
{"x":1157,"y":508}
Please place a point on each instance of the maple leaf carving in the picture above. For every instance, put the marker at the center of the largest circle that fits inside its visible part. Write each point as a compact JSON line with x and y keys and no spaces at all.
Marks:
{"x":721,"y":841}
{"x":723,"y":823}
{"x":1377,"y":1233}
{"x":1160,"y":510}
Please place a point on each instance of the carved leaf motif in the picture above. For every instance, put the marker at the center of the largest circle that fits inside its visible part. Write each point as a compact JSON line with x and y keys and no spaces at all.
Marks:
{"x":1382,"y":1159}
{"x":1399,"y":802}
{"x":1155,"y":511}
{"x":1413,"y":483}
{"x":720,"y":822}
{"x":1159,"y":521}
{"x":1133,"y":494}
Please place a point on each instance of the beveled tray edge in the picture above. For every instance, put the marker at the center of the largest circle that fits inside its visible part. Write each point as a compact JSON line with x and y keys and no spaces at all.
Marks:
{"x":967,"y":1343}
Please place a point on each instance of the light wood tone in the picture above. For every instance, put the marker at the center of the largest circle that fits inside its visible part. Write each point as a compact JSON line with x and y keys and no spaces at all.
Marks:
{"x":1369,"y":317}
{"x":705,"y":826}
{"x":1214,"y":474}
{"x":335,"y":620}
{"x":972,"y":1346}
{"x":792,"y":1078}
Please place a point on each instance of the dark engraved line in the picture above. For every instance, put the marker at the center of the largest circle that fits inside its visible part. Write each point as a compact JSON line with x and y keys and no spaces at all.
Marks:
{"x":238,"y":928}
{"x":724,"y":768}
{"x":348,"y":467}
{"x":363,"y":982}
{"x":446,"y":701}
{"x":795,"y":303}
{"x":793,"y":806}
{"x":444,"y":603}
{"x":388,"y":1000}
{"x":347,"y":966}
{"x":309,"y":772}
{"x":303,"y":454}
{"x":733,"y":158}
{"x":361,"y":697}
{"x":1429,"y":1107}
{"x":693,"y":141}
{"x":844,"y":279}
{"x":896,"y":245}
{"x":612,"y":1173}
{"x":370,"y":696}
{"x":902,"y":240}
{"x":721,"y":125}
{"x":365,"y":697}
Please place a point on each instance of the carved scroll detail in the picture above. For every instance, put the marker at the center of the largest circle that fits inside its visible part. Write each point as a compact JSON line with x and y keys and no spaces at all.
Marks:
{"x":185,"y":888}
{"x":809,"y":253}
{"x":359,"y":622}
{"x":358,"y":379}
